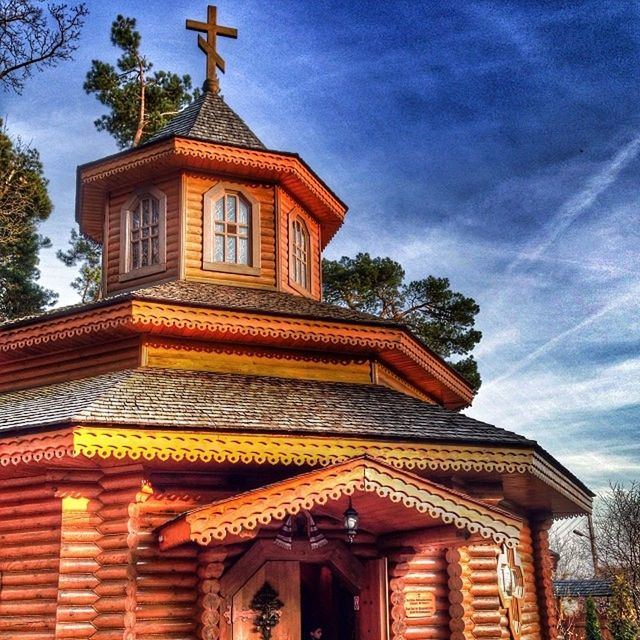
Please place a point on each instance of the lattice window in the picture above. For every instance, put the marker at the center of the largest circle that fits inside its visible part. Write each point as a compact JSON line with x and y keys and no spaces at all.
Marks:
{"x":299,"y":269}
{"x":232,"y":230}
{"x":143,"y":234}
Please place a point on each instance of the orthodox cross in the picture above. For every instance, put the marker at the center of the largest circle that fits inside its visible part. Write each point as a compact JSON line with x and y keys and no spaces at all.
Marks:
{"x":212,"y":29}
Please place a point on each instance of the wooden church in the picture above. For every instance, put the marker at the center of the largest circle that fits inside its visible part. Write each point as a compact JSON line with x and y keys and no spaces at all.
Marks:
{"x":213,"y":453}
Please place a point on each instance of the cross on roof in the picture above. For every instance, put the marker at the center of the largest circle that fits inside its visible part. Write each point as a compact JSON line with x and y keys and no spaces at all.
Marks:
{"x":212,"y":29}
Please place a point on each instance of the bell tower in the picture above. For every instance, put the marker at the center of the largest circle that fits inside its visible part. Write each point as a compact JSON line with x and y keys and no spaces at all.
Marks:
{"x":204,"y":200}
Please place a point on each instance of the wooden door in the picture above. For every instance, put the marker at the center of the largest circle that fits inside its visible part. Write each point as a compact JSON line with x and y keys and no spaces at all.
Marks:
{"x":284,"y":577}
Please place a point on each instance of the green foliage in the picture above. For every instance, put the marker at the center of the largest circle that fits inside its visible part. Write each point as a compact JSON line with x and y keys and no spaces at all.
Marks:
{"x":24,"y":202}
{"x":139,"y":103}
{"x":592,"y":625}
{"x":88,"y":254}
{"x":443,"y":319}
{"x":621,"y":615}
{"x":32,"y":38}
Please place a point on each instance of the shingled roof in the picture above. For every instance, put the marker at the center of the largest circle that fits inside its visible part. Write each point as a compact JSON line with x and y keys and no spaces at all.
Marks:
{"x":233,"y":402}
{"x":210,"y":118}
{"x":581,"y":588}
{"x":220,"y":296}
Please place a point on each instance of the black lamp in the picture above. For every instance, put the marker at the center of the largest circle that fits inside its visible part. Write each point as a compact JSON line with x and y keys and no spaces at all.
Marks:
{"x":351,"y":522}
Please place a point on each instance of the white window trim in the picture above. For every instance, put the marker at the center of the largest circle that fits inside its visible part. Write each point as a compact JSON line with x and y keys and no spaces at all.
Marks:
{"x":126,"y":272}
{"x":208,"y":263}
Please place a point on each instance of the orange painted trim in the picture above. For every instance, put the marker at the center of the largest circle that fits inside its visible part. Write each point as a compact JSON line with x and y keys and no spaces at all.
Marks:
{"x":256,"y":508}
{"x":96,"y":178}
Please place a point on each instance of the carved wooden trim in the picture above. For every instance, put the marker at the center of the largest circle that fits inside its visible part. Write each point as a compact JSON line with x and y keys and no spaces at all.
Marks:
{"x":26,"y":449}
{"x":253,"y":509}
{"x":212,"y":323}
{"x":136,"y":444}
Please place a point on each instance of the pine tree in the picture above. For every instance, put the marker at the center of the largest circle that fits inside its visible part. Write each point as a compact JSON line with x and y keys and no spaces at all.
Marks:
{"x":443,"y":319}
{"x":140,"y":103}
{"x":24,"y":202}
{"x":592,"y":627}
{"x":88,"y":254}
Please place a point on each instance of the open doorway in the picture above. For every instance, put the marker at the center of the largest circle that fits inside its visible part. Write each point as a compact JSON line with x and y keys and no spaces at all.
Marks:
{"x":326,"y":602}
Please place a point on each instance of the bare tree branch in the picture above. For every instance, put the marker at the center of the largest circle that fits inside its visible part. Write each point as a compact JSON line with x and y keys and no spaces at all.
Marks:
{"x":32,"y":38}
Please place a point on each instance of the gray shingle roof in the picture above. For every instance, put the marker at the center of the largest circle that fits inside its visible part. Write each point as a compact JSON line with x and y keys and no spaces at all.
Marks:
{"x":221,"y":296}
{"x":210,"y":118}
{"x":191,"y":399}
{"x":581,"y":588}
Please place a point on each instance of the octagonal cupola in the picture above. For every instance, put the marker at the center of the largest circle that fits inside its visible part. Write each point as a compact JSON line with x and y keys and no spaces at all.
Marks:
{"x":203,"y":199}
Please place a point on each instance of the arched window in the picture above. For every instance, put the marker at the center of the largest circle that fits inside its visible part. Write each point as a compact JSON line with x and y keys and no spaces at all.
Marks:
{"x":143,"y":237}
{"x":231,"y":240}
{"x":232,"y":230}
{"x":299,"y":265}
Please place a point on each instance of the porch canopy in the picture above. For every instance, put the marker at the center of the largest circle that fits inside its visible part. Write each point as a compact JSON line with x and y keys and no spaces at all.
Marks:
{"x":389,"y":500}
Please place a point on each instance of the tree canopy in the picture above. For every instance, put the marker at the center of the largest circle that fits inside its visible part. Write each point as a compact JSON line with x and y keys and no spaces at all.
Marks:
{"x":24,"y":202}
{"x":33,"y":37}
{"x":88,"y":254}
{"x":443,"y":319}
{"x":140,"y":103}
{"x":617,"y":520}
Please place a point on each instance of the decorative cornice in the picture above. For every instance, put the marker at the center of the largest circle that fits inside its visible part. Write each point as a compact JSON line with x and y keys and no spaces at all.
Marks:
{"x":81,"y":323}
{"x":242,"y":514}
{"x":27,"y":449}
{"x":288,"y":449}
{"x":157,"y":317}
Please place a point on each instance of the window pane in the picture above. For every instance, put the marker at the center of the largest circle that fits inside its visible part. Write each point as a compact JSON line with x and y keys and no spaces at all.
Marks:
{"x":219,"y":249}
{"x":155,"y":251}
{"x":145,"y":211}
{"x":243,"y":214}
{"x":145,"y":232}
{"x":219,"y":209}
{"x":145,"y":253}
{"x":135,"y":218}
{"x":219,"y":227}
{"x":231,"y":208}
{"x":231,"y":250}
{"x":135,"y":255}
{"x":155,"y":211}
{"x":243,"y":254}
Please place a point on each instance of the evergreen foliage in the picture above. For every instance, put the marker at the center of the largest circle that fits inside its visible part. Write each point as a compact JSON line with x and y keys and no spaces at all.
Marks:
{"x":621,"y":615}
{"x":140,"y":103}
{"x":88,"y":254}
{"x":24,"y":202}
{"x":592,"y":625}
{"x":443,"y":319}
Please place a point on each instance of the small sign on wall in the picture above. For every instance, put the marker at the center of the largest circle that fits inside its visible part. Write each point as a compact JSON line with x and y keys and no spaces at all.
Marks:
{"x":419,"y":603}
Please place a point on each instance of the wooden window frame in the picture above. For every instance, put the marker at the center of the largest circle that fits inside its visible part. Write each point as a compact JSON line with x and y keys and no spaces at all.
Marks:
{"x":210,"y":198}
{"x":126,"y":270}
{"x":293,"y":257}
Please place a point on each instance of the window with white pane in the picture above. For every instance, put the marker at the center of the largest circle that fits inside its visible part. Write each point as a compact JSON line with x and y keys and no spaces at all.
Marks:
{"x":232,"y":230}
{"x":299,"y":262}
{"x":143,"y":234}
{"x":230,"y":233}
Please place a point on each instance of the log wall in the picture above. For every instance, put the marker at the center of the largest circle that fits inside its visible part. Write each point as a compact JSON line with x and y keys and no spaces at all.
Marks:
{"x":30,"y":519}
{"x":170,"y":186}
{"x":424,"y":569}
{"x":196,"y":186}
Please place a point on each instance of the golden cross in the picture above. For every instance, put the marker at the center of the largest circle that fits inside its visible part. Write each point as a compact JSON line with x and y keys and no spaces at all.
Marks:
{"x":212,"y":29}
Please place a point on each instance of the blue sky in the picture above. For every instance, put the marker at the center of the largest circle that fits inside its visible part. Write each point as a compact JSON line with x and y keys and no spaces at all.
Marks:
{"x":495,"y":143}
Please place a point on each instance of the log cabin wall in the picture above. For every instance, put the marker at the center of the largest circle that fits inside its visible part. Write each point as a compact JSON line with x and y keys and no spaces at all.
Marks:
{"x":30,"y":519}
{"x":288,"y":209}
{"x":195,"y":186}
{"x":71,"y":364}
{"x":114,"y":241}
{"x":422,"y":570}
{"x":531,"y":628}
